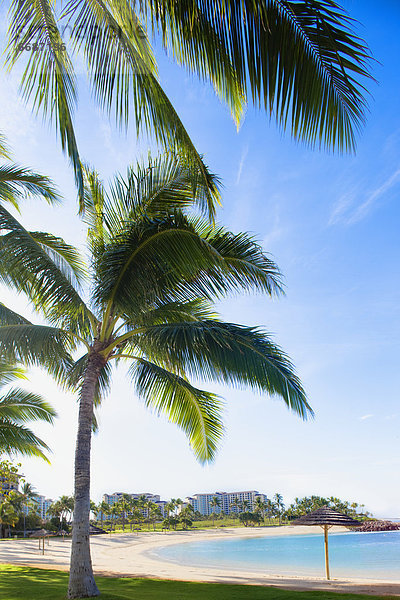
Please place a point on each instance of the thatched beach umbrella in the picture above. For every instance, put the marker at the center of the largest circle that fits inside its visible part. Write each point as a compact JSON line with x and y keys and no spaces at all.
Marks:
{"x":326,"y":518}
{"x":41,"y":534}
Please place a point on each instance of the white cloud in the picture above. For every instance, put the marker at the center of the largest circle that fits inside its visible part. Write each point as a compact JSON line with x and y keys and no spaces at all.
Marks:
{"x":243,"y":157}
{"x":346,"y":209}
{"x":365,"y":417}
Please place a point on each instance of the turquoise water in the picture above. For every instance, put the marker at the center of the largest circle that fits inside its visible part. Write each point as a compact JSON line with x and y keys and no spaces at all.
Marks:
{"x":369,"y":555}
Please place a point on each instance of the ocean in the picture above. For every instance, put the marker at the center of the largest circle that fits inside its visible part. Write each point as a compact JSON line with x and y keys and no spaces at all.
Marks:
{"x":358,"y":555}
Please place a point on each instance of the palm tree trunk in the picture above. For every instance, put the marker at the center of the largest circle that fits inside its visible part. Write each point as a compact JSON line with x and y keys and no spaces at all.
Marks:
{"x":81,"y":579}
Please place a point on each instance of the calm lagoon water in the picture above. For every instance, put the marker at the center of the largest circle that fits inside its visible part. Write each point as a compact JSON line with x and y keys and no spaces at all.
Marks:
{"x":367,"y":555}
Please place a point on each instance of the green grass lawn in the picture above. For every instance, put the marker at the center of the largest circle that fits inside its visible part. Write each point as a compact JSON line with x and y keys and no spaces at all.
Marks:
{"x":23,"y":583}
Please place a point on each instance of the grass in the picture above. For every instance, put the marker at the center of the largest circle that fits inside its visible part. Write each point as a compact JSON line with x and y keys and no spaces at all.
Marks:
{"x":23,"y":583}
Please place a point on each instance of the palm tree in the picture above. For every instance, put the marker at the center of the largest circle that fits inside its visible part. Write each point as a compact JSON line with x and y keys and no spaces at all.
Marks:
{"x":156,"y":270}
{"x":214,"y":504}
{"x":260,"y":507}
{"x":17,"y":407}
{"x":300,"y":61}
{"x":29,"y":494}
{"x":236,"y":504}
{"x":103,"y":509}
{"x":8,"y":514}
{"x":279,"y":506}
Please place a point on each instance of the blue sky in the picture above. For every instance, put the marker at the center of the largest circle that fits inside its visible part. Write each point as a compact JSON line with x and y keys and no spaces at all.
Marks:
{"x":331,"y":223}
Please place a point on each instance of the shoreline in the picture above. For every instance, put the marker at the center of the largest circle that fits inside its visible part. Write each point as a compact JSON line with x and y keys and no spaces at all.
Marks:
{"x":132,"y":555}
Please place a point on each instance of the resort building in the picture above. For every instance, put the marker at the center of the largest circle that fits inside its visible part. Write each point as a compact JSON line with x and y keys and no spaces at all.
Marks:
{"x":230,"y":502}
{"x":42,"y":505}
{"x":110,"y":499}
{"x":9,"y":484}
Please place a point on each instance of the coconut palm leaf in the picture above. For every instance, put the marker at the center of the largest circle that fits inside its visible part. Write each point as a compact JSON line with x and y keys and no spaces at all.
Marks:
{"x":176,"y":312}
{"x":4,"y":149}
{"x":159,"y":186}
{"x":227,"y":353}
{"x":18,"y":182}
{"x":45,"y":268}
{"x":9,"y":317}
{"x":122,"y":69}
{"x":20,"y":406}
{"x":48,"y":78}
{"x":300,"y":60}
{"x":9,"y":373}
{"x":144,"y":262}
{"x":19,"y":439}
{"x":196,"y":412}
{"x":37,"y":345}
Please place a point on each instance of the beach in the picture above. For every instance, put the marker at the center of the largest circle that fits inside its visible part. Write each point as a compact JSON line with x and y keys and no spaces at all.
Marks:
{"x":130,"y":555}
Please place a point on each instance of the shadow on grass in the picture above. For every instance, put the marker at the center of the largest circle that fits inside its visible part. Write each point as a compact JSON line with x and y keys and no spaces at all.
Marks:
{"x":23,"y":583}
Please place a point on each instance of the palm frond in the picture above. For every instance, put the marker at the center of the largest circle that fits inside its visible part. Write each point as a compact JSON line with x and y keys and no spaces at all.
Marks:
{"x":123,"y":71}
{"x":9,"y":317}
{"x":48,"y":79}
{"x":300,"y":60}
{"x":20,"y":406}
{"x":176,"y":312}
{"x":43,"y":267}
{"x":196,"y":412}
{"x":246,"y":265}
{"x":18,"y":439}
{"x":18,"y":182}
{"x":188,"y":32}
{"x":4,"y":149}
{"x":9,"y":373}
{"x":158,"y":187}
{"x":150,"y":258}
{"x":227,"y":353}
{"x":94,"y":215}
{"x":38,"y":345}
{"x":65,"y":257}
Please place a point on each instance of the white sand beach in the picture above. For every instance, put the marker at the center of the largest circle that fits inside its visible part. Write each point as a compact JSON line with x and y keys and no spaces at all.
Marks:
{"x":130,"y":555}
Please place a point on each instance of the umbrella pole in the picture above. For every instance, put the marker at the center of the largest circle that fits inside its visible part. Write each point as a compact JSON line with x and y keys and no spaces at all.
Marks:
{"x":326,"y":551}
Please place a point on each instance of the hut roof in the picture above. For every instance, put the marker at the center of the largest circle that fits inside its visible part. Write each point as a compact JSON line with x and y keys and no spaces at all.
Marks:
{"x":40,"y":533}
{"x":326,"y":516}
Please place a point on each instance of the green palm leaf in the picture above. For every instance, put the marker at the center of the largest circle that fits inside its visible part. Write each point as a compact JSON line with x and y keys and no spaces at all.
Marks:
{"x":9,"y":373}
{"x":19,"y":439}
{"x":196,"y":412}
{"x":146,"y":261}
{"x":18,"y":182}
{"x":20,"y":406}
{"x":48,"y":80}
{"x":37,"y":345}
{"x":228,"y":353}
{"x":300,"y":60}
{"x":45,"y":268}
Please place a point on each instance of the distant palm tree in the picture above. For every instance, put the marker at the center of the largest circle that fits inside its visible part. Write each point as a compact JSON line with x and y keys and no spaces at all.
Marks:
{"x":214,"y":504}
{"x":260,"y":507}
{"x":236,"y":505}
{"x":279,"y":505}
{"x":103,"y":509}
{"x":28,"y":494}
{"x":8,"y":514}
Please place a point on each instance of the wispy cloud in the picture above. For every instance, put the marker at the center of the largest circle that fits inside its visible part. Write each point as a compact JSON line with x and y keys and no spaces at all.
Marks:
{"x":243,"y":157}
{"x":365,"y":417}
{"x":348,"y":211}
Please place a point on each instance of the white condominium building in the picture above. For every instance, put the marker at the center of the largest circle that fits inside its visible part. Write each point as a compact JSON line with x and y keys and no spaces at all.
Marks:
{"x":230,"y":502}
{"x":110,"y":499}
{"x":41,"y":505}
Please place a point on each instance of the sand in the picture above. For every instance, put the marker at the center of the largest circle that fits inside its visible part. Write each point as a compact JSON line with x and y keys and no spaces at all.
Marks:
{"x":130,"y":555}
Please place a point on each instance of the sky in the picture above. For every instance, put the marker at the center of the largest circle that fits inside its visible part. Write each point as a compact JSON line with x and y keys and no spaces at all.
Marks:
{"x":331,"y":223}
